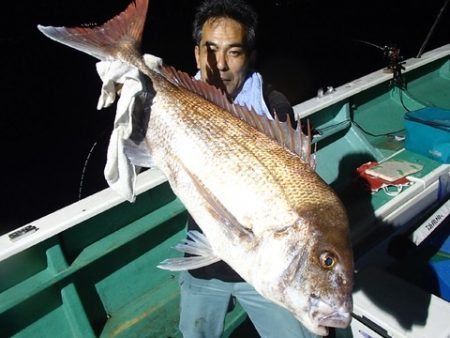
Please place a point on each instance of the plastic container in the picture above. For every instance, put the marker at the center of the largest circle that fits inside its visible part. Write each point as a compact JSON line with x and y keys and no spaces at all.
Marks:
{"x":428,"y":133}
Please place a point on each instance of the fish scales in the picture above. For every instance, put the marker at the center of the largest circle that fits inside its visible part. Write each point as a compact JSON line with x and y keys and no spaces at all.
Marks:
{"x":234,"y":158}
{"x":262,"y":208}
{"x":238,"y":160}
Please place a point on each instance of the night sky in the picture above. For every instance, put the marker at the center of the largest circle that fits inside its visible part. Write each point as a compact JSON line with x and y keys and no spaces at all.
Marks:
{"x":49,"y":92}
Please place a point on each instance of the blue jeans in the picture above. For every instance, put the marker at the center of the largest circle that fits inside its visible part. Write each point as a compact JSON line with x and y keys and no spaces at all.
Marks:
{"x":204,"y":304}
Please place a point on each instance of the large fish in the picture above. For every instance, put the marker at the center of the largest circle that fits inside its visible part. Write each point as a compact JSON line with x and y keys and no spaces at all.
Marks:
{"x":261,"y":206}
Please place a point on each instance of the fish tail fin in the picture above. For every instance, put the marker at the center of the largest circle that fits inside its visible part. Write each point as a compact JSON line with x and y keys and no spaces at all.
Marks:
{"x":108,"y":41}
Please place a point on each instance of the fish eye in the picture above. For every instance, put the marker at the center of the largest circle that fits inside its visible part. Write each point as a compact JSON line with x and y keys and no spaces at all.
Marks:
{"x":327,"y":260}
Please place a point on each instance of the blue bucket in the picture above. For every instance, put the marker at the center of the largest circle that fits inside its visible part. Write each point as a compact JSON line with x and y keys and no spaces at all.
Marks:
{"x":428,"y":133}
{"x":440,"y":264}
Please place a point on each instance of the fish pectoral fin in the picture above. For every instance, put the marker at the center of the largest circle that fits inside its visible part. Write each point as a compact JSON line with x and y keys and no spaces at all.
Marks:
{"x":231,"y":226}
{"x":186,"y":263}
{"x":195,"y":244}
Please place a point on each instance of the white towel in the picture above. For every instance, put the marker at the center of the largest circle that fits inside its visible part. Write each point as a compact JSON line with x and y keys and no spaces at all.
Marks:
{"x":120,"y":170}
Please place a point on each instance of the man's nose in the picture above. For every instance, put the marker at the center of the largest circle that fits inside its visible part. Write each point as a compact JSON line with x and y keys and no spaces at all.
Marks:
{"x":221,"y":61}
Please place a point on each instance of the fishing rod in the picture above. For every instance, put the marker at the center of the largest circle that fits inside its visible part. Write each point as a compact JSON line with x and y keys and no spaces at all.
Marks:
{"x":432,"y":29}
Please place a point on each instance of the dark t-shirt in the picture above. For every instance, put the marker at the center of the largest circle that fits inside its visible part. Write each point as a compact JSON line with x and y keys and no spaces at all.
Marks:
{"x":278,"y":103}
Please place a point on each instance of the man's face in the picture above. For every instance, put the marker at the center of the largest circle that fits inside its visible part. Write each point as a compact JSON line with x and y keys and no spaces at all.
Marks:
{"x":221,"y":55}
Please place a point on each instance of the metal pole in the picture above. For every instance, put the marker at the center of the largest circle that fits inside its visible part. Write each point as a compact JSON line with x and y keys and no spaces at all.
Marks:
{"x":432,"y":29}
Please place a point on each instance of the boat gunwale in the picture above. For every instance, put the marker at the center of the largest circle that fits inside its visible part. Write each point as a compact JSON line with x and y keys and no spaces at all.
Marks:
{"x":91,"y":206}
{"x":349,"y":89}
{"x":73,"y":214}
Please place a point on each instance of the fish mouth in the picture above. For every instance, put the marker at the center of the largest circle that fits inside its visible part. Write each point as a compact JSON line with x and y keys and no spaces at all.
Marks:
{"x":327,"y":315}
{"x":336,"y":319}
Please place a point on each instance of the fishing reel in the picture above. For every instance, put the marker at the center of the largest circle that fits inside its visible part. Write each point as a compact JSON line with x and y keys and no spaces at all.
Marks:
{"x":395,"y":62}
{"x":395,"y":65}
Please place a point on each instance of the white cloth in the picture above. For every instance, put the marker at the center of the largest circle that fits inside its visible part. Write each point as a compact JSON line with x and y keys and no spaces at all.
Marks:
{"x":120,"y":171}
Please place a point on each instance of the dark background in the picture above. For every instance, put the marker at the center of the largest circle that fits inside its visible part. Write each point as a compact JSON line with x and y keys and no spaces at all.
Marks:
{"x":49,"y":92}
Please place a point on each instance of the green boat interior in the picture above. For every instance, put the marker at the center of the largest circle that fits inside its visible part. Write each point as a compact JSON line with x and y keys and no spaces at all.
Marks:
{"x":98,"y":278}
{"x":370,"y":126}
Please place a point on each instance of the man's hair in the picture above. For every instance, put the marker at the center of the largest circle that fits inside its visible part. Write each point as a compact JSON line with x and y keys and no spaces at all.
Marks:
{"x":237,"y":10}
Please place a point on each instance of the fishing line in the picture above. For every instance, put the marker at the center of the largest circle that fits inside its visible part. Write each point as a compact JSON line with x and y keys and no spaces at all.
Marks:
{"x":419,"y":101}
{"x":320,"y":130}
{"x":391,"y":133}
{"x":365,"y":131}
{"x":402,"y":102}
{"x":83,"y":172}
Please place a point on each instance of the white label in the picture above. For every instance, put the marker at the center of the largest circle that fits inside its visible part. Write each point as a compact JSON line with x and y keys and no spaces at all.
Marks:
{"x":22,"y":232}
{"x":422,"y":232}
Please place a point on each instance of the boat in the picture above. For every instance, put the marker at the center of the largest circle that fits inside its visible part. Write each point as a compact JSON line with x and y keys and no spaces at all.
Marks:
{"x":89,"y":269}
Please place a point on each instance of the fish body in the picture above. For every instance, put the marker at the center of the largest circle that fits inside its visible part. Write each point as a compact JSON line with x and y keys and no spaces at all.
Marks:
{"x":261,"y":206}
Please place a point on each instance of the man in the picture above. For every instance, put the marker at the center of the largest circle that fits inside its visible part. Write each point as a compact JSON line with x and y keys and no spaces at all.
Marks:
{"x":225,"y":34}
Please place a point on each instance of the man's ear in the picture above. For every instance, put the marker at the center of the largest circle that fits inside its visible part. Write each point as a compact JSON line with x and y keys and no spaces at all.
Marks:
{"x":197,"y":56}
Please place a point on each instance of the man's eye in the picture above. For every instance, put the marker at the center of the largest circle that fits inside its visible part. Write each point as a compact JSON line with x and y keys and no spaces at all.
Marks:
{"x":235,"y":52}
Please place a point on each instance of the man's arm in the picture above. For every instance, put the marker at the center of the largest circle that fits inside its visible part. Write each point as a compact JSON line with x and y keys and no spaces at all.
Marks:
{"x":278,"y":103}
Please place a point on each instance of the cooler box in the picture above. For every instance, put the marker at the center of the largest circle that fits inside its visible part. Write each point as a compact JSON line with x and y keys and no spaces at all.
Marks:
{"x":428,"y":133}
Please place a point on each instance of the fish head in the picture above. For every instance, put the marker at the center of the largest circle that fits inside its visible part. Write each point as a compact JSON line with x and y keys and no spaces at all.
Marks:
{"x":311,"y":270}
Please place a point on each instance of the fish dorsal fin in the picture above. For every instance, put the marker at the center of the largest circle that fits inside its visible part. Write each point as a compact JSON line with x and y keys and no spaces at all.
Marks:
{"x":282,"y":132}
{"x":102,"y":41}
{"x":205,"y":90}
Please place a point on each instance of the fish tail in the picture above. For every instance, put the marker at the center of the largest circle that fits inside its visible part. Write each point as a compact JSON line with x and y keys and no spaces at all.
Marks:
{"x":108,"y":41}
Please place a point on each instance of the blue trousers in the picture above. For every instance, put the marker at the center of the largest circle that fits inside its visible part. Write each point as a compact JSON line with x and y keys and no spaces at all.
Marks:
{"x":204,"y":304}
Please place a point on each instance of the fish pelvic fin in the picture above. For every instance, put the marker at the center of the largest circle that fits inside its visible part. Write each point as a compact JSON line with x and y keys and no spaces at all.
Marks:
{"x":196,"y":244}
{"x":292,"y":139}
{"x":107,"y":41}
